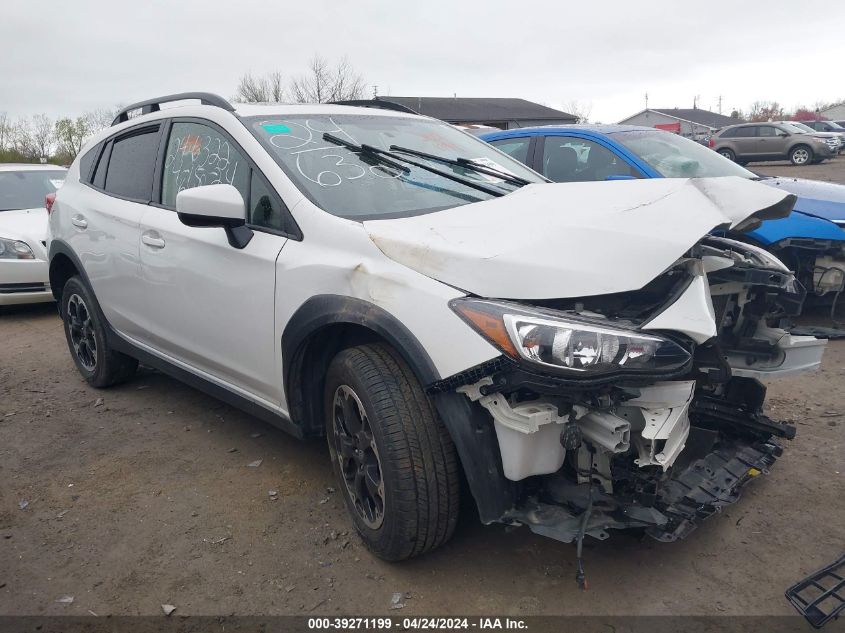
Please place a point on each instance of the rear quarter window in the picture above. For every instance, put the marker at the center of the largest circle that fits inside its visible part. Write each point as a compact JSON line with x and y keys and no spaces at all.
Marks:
{"x":86,"y":163}
{"x":131,"y":164}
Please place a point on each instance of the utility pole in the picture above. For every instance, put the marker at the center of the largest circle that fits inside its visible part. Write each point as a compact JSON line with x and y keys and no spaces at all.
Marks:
{"x":375,"y":91}
{"x":720,"y":104}
{"x":646,"y":101}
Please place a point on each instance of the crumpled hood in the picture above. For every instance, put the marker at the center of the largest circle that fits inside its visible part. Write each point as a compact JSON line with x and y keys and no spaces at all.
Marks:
{"x":561,"y":240}
{"x":29,"y":225}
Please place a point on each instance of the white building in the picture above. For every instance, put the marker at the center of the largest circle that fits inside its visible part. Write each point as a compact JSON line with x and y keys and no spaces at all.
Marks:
{"x":834,"y":113}
{"x":690,"y":122}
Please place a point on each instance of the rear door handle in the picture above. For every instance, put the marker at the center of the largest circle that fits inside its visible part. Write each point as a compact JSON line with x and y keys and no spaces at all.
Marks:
{"x":79,"y":221}
{"x":151,"y":238}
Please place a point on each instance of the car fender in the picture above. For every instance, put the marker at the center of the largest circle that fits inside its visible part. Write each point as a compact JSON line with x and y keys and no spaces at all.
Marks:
{"x":796,"y":225}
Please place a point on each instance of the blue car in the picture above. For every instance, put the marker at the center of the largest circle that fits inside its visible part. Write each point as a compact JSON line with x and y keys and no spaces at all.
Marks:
{"x":811,"y":240}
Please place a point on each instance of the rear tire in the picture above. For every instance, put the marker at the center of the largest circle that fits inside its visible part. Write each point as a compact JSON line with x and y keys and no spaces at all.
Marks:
{"x":801,"y":155}
{"x":728,"y":154}
{"x":85,"y":332}
{"x":394,"y":460}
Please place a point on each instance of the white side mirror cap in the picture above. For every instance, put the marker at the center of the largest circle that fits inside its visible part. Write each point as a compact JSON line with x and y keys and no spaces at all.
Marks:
{"x":212,"y":201}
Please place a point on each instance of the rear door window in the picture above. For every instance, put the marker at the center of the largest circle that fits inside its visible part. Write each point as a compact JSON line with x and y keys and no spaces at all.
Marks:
{"x":199,"y":155}
{"x":131,"y":164}
{"x":746,"y":131}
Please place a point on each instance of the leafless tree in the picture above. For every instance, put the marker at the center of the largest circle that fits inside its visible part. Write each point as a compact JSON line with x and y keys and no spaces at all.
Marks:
{"x":324,"y":82}
{"x":267,"y":88}
{"x":42,"y":135}
{"x":580,"y":109}
{"x":766,"y":111}
{"x":22,"y":140}
{"x":100,"y":118}
{"x":5,"y":131}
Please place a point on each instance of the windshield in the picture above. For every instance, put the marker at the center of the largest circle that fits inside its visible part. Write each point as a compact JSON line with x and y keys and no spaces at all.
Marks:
{"x":674,"y":156}
{"x":799,"y":127}
{"x":835,"y":126}
{"x":359,"y":185}
{"x":26,"y":189}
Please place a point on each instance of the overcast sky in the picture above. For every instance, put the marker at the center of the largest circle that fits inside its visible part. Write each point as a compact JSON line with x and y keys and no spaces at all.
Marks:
{"x":64,"y":57}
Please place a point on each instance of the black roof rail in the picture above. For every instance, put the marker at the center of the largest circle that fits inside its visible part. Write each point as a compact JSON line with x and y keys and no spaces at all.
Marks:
{"x":154,"y":105}
{"x":375,"y":103}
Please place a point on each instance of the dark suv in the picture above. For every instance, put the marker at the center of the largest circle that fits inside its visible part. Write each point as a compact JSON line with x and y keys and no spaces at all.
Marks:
{"x":748,"y":142}
{"x":828,"y":126}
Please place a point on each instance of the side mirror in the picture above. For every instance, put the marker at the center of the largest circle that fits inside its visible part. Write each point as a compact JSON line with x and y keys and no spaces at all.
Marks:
{"x":215,"y":206}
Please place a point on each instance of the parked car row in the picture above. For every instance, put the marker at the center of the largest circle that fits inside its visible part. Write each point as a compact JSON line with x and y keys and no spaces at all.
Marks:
{"x":778,"y":140}
{"x":588,"y":354}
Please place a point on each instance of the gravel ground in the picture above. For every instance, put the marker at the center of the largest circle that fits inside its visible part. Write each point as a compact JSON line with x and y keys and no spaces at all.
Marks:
{"x":830,"y":170}
{"x":143,"y":495}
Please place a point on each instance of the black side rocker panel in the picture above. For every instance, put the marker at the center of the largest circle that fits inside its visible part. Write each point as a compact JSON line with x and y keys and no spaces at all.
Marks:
{"x":206,"y":386}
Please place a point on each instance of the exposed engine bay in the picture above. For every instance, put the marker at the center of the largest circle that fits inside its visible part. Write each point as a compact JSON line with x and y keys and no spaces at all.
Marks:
{"x":640,"y":409}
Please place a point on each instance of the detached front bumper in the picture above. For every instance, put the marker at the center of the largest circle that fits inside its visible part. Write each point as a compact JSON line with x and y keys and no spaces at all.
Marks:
{"x":24,"y":281}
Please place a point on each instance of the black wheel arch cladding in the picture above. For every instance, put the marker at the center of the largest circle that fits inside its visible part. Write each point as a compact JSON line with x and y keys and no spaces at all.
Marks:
{"x":471,"y":429}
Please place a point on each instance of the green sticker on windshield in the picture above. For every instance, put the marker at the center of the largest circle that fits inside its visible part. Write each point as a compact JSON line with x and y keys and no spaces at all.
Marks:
{"x":276,"y":128}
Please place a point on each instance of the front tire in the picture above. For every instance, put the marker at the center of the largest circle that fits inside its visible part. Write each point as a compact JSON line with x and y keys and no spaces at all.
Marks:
{"x":801,"y":155}
{"x":728,"y":154}
{"x":394,"y":459}
{"x":85,"y":332}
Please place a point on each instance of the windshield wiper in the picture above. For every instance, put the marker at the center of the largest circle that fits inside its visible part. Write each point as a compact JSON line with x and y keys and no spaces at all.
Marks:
{"x":373,"y":152}
{"x":465,"y":163}
{"x":389,"y":158}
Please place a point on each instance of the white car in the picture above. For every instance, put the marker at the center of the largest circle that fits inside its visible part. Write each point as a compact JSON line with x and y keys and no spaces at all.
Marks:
{"x":23,"y":231}
{"x":586,"y":354}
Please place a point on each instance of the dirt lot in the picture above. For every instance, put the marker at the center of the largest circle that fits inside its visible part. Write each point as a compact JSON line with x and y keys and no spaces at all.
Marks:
{"x":143,"y":494}
{"x":831,"y":170}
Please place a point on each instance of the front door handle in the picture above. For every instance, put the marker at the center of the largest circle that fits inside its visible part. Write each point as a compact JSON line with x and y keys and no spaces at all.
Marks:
{"x":153,"y":239}
{"x":79,"y":221}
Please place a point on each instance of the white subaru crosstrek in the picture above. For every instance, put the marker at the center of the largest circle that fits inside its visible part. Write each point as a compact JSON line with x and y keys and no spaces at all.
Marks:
{"x":24,"y":191}
{"x":587,"y":354}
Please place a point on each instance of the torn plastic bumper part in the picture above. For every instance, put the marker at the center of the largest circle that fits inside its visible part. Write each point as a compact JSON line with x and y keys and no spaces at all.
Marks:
{"x":656,"y":490}
{"x":828,"y":275}
{"x":785,"y":355}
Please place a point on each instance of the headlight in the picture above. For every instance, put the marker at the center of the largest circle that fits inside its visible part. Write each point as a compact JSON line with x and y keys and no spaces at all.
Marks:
{"x":15,"y":249}
{"x":570,"y":344}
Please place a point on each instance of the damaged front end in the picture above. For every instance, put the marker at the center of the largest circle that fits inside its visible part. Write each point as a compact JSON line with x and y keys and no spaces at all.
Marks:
{"x":639,"y":409}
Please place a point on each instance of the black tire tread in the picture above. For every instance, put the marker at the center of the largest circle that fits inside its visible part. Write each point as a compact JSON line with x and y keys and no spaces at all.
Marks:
{"x":113,"y":367}
{"x":419,"y":452}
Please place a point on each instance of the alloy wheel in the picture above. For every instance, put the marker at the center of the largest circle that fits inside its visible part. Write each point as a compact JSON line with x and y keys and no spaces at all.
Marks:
{"x":356,"y":452}
{"x":81,"y":330}
{"x":800,"y":156}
